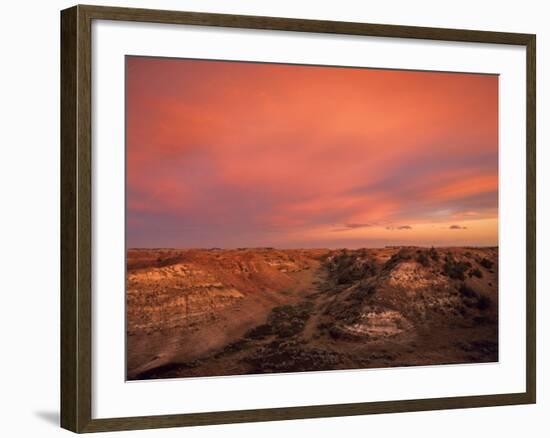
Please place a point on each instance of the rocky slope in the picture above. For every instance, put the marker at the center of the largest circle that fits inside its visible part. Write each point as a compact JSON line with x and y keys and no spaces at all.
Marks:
{"x":386,"y":293}
{"x":220,"y":312}
{"x":170,"y":289}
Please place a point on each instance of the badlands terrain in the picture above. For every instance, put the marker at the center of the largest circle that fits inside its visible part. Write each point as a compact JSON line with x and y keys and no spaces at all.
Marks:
{"x":213,"y":312}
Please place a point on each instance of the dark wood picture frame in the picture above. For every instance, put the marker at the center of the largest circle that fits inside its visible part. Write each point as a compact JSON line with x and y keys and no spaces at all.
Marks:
{"x":76,"y":243}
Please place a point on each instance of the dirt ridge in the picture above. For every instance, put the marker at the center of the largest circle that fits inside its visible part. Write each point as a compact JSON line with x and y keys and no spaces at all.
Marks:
{"x":267,"y":310}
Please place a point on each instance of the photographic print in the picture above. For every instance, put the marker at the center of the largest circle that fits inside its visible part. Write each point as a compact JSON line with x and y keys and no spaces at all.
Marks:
{"x":294,"y":218}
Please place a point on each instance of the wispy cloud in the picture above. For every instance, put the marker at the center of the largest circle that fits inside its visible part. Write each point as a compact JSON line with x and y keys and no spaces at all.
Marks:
{"x":399,"y":227}
{"x":353,"y":226}
{"x":247,"y":154}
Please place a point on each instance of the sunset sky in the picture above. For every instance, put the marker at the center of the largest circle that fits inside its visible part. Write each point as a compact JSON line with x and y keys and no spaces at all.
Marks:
{"x":235,"y":154}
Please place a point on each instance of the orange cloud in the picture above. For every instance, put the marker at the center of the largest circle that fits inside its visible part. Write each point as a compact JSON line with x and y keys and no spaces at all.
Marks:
{"x":247,"y":154}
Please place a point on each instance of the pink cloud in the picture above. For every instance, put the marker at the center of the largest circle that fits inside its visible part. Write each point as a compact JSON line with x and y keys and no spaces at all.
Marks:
{"x":224,"y":147}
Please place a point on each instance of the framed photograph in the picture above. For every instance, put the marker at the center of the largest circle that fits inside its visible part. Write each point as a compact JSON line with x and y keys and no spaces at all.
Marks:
{"x":271,"y":218}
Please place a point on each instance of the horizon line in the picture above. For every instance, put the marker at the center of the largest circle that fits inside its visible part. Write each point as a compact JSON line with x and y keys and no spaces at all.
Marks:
{"x":240,"y":248}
